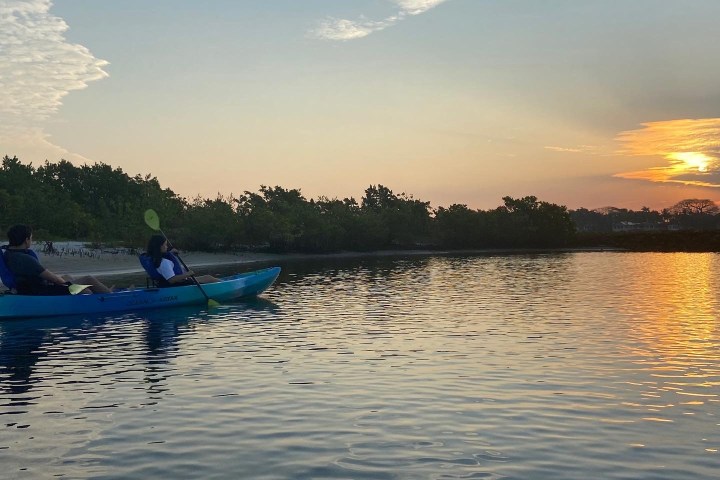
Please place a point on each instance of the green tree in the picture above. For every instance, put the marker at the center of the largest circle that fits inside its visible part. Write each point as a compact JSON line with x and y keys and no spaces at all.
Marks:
{"x":460,"y":227}
{"x":394,"y":220}
{"x":528,"y":222}
{"x":211,"y":225}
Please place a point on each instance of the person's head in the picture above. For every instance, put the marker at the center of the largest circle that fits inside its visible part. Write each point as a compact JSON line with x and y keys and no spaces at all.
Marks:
{"x":17,"y":234}
{"x":157,"y":246}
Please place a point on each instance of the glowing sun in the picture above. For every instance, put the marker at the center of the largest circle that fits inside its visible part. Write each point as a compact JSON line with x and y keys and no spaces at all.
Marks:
{"x":692,"y":161}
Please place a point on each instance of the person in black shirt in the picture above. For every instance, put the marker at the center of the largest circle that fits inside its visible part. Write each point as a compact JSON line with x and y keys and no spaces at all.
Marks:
{"x":34,"y":279}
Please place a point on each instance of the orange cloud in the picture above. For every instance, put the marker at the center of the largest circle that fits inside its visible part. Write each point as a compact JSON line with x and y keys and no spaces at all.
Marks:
{"x":689,"y":147}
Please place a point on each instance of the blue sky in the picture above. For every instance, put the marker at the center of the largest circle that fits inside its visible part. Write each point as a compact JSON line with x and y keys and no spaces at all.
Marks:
{"x":583,"y":103}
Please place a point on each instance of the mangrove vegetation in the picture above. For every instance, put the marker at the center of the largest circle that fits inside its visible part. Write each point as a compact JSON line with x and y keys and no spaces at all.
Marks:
{"x":101,"y":204}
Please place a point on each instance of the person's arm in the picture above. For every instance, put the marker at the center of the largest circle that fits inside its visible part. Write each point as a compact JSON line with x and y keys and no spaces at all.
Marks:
{"x":166,"y":270}
{"x":52,"y":278}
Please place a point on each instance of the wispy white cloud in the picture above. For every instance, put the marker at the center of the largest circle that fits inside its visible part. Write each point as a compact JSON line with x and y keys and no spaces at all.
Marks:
{"x":343,"y":29}
{"x":589,"y":149}
{"x":564,"y":149}
{"x":585,"y":150}
{"x":38,"y":67}
{"x":416,"y":7}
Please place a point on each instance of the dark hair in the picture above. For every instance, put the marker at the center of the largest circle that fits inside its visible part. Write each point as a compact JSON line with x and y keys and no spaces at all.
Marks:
{"x":153,"y":249}
{"x":17,"y":234}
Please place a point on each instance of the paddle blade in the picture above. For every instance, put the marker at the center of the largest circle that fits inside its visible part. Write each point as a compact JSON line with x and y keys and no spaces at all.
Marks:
{"x":152,"y":219}
{"x":212,"y":303}
{"x":75,"y":289}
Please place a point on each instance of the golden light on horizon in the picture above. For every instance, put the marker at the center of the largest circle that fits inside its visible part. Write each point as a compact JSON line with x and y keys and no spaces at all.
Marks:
{"x":690,"y":148}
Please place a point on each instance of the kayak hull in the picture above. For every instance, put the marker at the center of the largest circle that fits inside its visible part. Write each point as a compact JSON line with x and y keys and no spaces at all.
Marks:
{"x":229,"y":288}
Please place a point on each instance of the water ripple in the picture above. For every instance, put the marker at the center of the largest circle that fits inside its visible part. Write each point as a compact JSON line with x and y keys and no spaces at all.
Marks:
{"x":557,"y":366}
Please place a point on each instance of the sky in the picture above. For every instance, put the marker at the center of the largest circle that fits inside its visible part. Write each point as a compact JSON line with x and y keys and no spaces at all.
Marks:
{"x":584,"y":103}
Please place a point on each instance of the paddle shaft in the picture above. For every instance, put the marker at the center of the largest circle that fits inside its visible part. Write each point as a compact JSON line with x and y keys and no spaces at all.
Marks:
{"x":186,"y":268}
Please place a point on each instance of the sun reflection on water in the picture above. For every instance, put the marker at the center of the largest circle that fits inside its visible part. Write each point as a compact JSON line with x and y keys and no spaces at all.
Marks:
{"x":676,"y":335}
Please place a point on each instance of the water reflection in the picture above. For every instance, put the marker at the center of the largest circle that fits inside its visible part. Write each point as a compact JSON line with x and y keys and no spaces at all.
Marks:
{"x":490,"y":366}
{"x":26,"y":343}
{"x":20,"y":350}
{"x":671,"y":309}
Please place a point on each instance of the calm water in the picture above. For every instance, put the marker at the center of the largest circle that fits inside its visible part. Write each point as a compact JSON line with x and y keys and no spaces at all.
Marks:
{"x":562,"y":366}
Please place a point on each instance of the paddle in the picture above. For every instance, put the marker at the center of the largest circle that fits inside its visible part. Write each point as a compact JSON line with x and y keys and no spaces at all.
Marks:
{"x":153,"y":221}
{"x":75,"y":289}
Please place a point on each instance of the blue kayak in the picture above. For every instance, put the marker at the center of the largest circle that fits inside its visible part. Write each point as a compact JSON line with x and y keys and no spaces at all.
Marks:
{"x":229,"y":288}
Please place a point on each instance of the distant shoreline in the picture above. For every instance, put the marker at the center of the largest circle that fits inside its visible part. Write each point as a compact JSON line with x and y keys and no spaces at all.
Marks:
{"x":108,"y":264}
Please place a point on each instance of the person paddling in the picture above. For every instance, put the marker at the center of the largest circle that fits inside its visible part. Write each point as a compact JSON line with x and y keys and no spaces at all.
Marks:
{"x":34,"y":279}
{"x":161,"y":258}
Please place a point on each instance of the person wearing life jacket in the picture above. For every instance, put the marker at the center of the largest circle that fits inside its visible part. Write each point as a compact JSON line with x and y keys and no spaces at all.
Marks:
{"x":168,"y":270}
{"x":31,"y":278}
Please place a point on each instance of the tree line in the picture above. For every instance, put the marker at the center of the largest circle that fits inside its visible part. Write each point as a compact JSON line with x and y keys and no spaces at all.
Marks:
{"x":101,"y":204}
{"x":688,"y":214}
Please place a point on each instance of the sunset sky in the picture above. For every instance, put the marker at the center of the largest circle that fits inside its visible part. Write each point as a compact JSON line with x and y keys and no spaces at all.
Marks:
{"x":581,"y":103}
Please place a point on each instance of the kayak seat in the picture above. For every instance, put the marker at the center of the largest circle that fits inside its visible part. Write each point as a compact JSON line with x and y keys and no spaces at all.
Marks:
{"x":153,"y":276}
{"x":8,"y":277}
